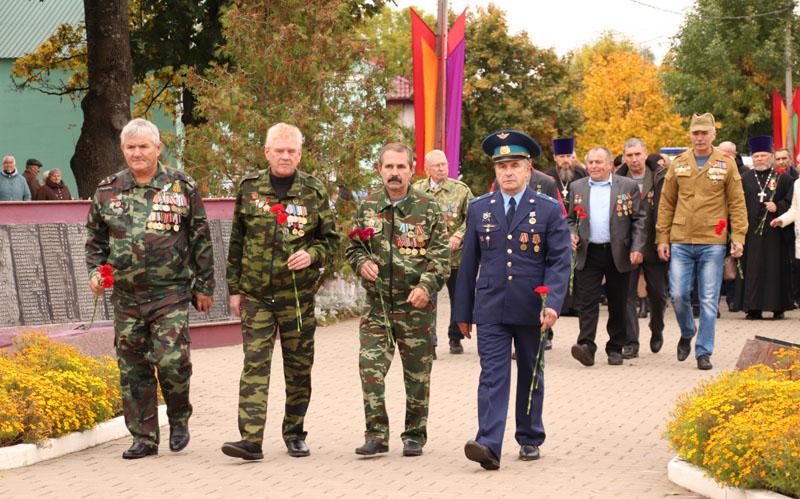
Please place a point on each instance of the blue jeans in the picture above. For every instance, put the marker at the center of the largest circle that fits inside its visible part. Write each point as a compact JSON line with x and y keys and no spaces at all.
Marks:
{"x":703,"y":261}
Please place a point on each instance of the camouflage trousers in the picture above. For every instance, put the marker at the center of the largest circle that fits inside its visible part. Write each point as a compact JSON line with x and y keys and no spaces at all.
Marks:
{"x":412,"y":329}
{"x":260,"y":323}
{"x":153,"y":338}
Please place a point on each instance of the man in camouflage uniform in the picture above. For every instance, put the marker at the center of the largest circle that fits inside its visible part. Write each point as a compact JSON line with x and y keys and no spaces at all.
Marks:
{"x":453,"y":197}
{"x":149,"y":224}
{"x":274,"y":263}
{"x":406,"y":264}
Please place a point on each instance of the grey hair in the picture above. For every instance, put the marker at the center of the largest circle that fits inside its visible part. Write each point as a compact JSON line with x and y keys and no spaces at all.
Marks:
{"x":396,"y":147}
{"x":139,"y":127}
{"x":12,"y":158}
{"x":609,"y":157}
{"x":633,"y":142}
{"x":434,"y":152}
{"x":283,"y":131}
{"x":52,"y":171}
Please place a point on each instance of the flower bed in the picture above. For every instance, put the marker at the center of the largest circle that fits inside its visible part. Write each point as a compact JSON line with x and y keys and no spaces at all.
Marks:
{"x":48,"y":389}
{"x":744,"y":427}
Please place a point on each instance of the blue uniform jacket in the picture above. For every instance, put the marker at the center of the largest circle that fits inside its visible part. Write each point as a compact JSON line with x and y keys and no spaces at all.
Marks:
{"x":500,"y":266}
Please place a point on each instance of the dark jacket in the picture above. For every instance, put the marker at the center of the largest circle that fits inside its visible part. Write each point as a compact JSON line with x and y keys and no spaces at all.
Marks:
{"x":51,"y":191}
{"x":626,"y":220}
{"x":33,"y":182}
{"x":651,"y":195}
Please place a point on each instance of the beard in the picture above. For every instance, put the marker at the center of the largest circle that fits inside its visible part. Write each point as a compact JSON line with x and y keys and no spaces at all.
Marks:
{"x":566,"y":174}
{"x":761,"y":168}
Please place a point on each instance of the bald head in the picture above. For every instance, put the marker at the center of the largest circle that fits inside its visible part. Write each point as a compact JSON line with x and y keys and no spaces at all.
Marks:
{"x":728,"y":148}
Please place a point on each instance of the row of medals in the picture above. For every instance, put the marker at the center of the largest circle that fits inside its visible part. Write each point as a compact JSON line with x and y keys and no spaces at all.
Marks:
{"x":411,"y":245}
{"x":167,"y":211}
{"x":536,"y":239}
{"x":624,"y":207}
{"x":297,"y":218}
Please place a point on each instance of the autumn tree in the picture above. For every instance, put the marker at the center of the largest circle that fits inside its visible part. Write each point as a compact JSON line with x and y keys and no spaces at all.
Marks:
{"x":622,"y":97}
{"x":298,"y":62}
{"x":727,"y":58}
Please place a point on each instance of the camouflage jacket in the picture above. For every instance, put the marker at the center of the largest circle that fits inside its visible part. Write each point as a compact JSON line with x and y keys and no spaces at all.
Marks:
{"x":259,"y":247}
{"x":409,"y":246}
{"x":155,"y":236}
{"x":453,"y":197}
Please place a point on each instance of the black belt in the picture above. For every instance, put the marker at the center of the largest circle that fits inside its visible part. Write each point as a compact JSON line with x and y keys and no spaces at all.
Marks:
{"x":600,"y":245}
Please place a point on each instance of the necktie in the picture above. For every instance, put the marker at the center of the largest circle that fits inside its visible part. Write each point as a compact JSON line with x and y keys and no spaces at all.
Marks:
{"x":512,"y":209}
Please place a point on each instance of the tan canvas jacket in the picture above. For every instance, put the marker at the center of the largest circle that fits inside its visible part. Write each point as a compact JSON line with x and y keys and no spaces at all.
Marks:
{"x":694,"y":200}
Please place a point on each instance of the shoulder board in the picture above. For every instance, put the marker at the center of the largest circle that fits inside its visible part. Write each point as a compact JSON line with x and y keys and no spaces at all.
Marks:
{"x":424,"y":195}
{"x":546,"y":197}
{"x":107,"y":181}
{"x":485,"y":196}
{"x":181,"y":175}
{"x":250,"y":176}
{"x":313,"y":182}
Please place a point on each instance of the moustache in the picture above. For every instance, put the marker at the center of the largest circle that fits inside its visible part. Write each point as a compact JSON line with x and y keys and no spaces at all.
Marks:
{"x":394,"y":178}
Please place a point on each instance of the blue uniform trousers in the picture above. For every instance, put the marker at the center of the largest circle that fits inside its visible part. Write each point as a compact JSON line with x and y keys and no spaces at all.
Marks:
{"x":494,"y":349}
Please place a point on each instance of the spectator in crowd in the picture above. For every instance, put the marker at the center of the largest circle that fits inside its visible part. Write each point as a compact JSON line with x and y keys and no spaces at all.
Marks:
{"x":53,"y":188}
{"x":783,"y":161}
{"x":32,"y":167}
{"x":12,"y":185}
{"x":792,"y":216}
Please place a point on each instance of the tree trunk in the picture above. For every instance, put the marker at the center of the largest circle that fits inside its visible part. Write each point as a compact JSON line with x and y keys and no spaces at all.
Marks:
{"x":106,"y":107}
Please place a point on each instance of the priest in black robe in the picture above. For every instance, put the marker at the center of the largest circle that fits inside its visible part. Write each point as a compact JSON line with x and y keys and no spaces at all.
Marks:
{"x":766,"y":261}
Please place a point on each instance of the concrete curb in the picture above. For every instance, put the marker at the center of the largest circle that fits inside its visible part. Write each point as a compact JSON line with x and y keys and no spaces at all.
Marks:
{"x":696,"y":479}
{"x":21,"y":455}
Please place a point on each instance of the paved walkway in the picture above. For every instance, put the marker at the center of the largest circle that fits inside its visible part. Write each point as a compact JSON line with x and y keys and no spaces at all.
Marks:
{"x":604,"y":428}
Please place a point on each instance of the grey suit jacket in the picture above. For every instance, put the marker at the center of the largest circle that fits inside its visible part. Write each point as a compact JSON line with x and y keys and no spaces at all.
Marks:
{"x":627,"y":220}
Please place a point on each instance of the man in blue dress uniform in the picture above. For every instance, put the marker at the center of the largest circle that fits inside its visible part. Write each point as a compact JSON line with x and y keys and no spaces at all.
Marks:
{"x":515,"y":240}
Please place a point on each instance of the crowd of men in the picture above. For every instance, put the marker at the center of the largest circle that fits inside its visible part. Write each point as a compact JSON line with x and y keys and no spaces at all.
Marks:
{"x":27,"y":187}
{"x":514,"y":260}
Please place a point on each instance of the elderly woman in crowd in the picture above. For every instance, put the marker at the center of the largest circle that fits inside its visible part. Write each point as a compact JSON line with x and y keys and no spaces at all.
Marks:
{"x":53,"y":188}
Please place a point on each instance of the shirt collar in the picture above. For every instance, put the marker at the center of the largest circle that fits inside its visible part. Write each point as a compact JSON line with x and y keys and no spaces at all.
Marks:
{"x":517,"y":197}
{"x":601,"y":183}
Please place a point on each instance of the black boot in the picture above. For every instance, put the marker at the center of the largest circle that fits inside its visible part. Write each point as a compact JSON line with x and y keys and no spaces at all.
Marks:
{"x":139,"y":450}
{"x":643,"y":308}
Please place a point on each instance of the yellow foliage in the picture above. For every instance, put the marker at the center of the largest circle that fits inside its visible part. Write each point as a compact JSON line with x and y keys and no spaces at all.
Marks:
{"x":621,"y":98}
{"x":49,"y":389}
{"x":744,"y":427}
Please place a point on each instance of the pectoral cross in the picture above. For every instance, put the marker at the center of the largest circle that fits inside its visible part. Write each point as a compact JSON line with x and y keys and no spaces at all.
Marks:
{"x":761,"y":196}
{"x":564,"y":192}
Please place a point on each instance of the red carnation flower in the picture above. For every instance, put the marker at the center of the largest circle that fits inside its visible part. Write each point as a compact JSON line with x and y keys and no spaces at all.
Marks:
{"x":780,"y":171}
{"x":277,"y":208}
{"x":367,"y":234}
{"x":282,"y":217}
{"x":355,"y":233}
{"x":105,"y":270}
{"x":582,"y":215}
{"x":108,"y":281}
{"x":542,"y":290}
{"x":721,"y":225}
{"x":579,"y":209}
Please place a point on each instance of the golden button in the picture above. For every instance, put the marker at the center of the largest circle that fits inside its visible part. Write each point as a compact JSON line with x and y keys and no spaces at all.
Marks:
{"x":508,"y":251}
{"x":511,"y":278}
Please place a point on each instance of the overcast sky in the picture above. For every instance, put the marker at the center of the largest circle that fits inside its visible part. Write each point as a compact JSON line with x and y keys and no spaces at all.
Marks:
{"x":567,"y":24}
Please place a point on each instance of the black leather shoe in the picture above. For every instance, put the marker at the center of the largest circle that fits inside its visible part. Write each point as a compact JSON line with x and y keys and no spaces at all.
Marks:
{"x":529,"y":452}
{"x":684,"y":348}
{"x":630,"y":351}
{"x":776,"y":316}
{"x":139,"y":450}
{"x":372,"y":447}
{"x":656,"y":342}
{"x":481,"y":455}
{"x":455,"y":347}
{"x":582,"y":354}
{"x":643,"y":308}
{"x":178,"y":437}
{"x":297,"y":448}
{"x":704,"y":363}
{"x":754,"y":315}
{"x":412,"y":448}
{"x":243,"y":450}
{"x":548,"y":344}
{"x":614,"y":358}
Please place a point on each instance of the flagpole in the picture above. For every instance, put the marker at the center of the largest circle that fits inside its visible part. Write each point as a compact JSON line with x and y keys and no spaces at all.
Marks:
{"x":441,"y":94}
{"x":790,"y":145}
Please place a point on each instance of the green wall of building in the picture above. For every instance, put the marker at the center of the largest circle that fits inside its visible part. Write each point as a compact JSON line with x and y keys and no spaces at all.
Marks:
{"x":45,"y":127}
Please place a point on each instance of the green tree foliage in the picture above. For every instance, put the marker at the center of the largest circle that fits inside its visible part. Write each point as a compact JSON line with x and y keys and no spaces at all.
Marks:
{"x":389,"y":32}
{"x":297,"y":62}
{"x":510,"y":83}
{"x":728,"y":58}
